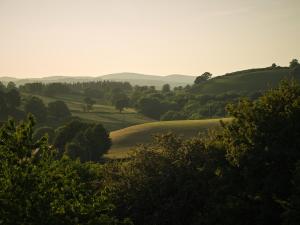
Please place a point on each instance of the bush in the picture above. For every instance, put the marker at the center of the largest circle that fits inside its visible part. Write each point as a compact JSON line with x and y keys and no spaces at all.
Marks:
{"x":172,"y":115}
{"x":36,"y":188}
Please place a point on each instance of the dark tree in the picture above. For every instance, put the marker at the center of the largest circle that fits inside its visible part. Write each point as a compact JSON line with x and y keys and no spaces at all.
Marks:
{"x":294,"y":63}
{"x":37,"y":188}
{"x":36,"y":106}
{"x":121,"y":103}
{"x":58,"y":110}
{"x":273,"y":66}
{"x":296,"y":71}
{"x":166,"y":88}
{"x":203,"y":78}
{"x":150,"y":107}
{"x":89,"y":104}
{"x":82,"y":140}
{"x":11,"y":85}
{"x":13,"y":98}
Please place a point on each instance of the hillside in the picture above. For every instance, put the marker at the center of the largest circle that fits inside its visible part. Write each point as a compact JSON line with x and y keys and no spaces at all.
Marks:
{"x":133,"y":78}
{"x":125,"y":139}
{"x":107,"y":115}
{"x":248,"y":81}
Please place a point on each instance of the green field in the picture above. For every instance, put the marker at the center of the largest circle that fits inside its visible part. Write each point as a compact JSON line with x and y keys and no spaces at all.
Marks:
{"x":107,"y":115}
{"x":125,"y":139}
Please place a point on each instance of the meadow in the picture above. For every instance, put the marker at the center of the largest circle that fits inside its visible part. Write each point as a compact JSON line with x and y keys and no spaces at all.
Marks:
{"x":126,"y":139}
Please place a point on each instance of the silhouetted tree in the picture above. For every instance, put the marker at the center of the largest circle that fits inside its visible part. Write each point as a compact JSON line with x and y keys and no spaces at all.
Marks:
{"x":58,"y":110}
{"x":121,"y":103}
{"x":13,"y":98}
{"x":202,"y":78}
{"x":294,"y":63}
{"x":166,"y":88}
{"x":36,"y":106}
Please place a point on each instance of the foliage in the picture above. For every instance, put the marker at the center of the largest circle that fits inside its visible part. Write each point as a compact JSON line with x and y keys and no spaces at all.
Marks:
{"x":294,"y":63}
{"x":40,"y":132}
{"x":58,"y":110}
{"x":88,"y":103}
{"x":36,"y":106}
{"x":202,"y":78}
{"x":121,"y":103}
{"x":245,"y":173}
{"x":36,"y":188}
{"x":88,"y":142}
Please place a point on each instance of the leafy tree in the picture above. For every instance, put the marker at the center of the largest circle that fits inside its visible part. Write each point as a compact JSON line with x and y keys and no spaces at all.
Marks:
{"x":273,"y":66}
{"x":203,"y":78}
{"x":11,"y":85}
{"x":13,"y":98}
{"x":166,"y":88}
{"x":36,"y":106}
{"x":2,"y":87}
{"x":88,"y":142}
{"x":172,"y":115}
{"x":294,"y":63}
{"x":44,"y":131}
{"x":122,"y":103}
{"x":296,"y":71}
{"x":89,"y":103}
{"x":36,"y":188}
{"x":150,"y":107}
{"x":58,"y":110}
{"x":257,"y":143}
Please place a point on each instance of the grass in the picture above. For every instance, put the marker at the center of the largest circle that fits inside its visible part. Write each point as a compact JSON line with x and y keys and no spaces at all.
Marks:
{"x":126,"y":139}
{"x":107,"y":115}
{"x":245,"y":81}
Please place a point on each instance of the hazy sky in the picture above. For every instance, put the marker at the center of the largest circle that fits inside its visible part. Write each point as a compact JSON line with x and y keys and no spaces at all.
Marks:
{"x":96,"y":37}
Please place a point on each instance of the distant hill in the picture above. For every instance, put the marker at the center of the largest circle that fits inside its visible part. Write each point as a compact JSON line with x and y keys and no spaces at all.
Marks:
{"x":247,"y":80}
{"x":133,"y":78}
{"x":151,"y":80}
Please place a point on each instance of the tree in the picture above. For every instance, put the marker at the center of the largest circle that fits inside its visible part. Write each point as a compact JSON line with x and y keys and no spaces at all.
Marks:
{"x":172,"y":115}
{"x":97,"y":142}
{"x":294,"y":63}
{"x":121,"y":103}
{"x":88,"y":142}
{"x":166,"y":88}
{"x":36,"y":106}
{"x":256,"y":142}
{"x":58,"y":110}
{"x":37,"y":188}
{"x":89,"y":103}
{"x":203,"y":78}
{"x":11,"y":85}
{"x":150,"y":107}
{"x":44,"y":131}
{"x":13,"y":98}
{"x":273,"y":66}
{"x":2,"y":87}
{"x":296,"y":71}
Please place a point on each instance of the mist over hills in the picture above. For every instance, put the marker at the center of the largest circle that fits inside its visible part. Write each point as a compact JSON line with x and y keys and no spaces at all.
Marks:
{"x":133,"y":78}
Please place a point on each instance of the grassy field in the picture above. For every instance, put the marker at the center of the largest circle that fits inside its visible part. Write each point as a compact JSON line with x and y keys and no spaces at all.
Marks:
{"x":245,"y":81}
{"x":111,"y":118}
{"x":125,"y":139}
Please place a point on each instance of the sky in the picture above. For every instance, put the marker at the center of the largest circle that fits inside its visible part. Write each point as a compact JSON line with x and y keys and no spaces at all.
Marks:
{"x":95,"y":37}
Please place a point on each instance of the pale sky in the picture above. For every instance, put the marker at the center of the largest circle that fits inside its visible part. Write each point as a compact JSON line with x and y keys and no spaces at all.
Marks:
{"x":96,"y":37}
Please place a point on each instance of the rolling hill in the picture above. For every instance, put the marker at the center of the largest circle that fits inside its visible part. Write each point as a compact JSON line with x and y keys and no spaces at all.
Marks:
{"x":125,"y":139}
{"x":133,"y":78}
{"x":245,"y":81}
{"x":107,"y":115}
